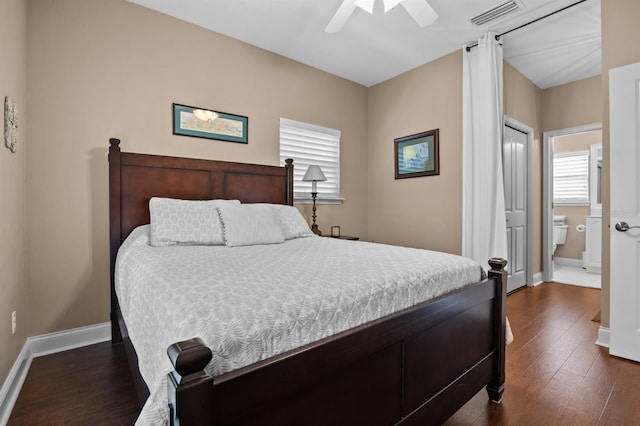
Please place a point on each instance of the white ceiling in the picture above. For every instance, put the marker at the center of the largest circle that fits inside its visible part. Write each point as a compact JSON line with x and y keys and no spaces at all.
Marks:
{"x":373,"y":48}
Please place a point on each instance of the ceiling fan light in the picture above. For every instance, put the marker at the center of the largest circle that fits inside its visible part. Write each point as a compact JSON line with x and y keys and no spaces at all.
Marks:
{"x":365,"y":5}
{"x":390,"y":4}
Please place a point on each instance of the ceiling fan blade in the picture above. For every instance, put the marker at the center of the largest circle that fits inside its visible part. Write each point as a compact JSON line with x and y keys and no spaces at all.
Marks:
{"x":421,"y":11}
{"x":365,"y":5}
{"x":390,"y":4}
{"x":340,"y":18}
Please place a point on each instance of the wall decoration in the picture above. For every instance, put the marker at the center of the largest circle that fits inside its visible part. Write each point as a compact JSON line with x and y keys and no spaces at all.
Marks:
{"x":204,"y":123}
{"x":417,"y":155}
{"x":10,"y":124}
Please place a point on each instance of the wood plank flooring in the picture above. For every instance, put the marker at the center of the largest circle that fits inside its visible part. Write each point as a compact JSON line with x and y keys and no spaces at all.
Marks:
{"x":85,"y":386}
{"x":556,"y":375}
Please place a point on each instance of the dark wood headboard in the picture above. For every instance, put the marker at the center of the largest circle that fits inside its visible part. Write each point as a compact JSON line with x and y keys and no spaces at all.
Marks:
{"x":135,"y":178}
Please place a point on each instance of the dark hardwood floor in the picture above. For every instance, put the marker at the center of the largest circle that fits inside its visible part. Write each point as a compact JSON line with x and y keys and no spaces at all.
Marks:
{"x":556,"y":375}
{"x":85,"y":386}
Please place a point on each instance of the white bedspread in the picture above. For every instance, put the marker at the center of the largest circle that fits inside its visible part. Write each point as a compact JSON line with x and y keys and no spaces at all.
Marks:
{"x":250,"y":303}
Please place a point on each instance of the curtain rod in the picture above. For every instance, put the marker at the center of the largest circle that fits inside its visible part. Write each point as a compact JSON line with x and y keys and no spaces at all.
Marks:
{"x":531,"y":22}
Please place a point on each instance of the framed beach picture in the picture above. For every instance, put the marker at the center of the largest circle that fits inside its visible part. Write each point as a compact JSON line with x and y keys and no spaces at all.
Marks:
{"x":417,"y":155}
{"x":204,"y":123}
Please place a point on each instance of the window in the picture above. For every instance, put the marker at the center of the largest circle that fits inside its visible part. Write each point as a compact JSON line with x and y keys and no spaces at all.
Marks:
{"x":571,"y":178}
{"x":309,"y":144}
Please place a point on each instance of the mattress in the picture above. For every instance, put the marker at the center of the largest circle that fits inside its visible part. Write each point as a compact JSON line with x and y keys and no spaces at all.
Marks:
{"x":250,"y":303}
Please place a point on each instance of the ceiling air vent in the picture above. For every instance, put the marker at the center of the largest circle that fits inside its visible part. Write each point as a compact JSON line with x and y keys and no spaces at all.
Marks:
{"x":496,"y":12}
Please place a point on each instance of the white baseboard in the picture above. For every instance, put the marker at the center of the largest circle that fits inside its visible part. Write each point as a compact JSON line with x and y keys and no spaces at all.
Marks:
{"x":44,"y":345}
{"x":69,"y":339}
{"x":604,"y":337}
{"x":537,"y":279}
{"x":13,"y":383}
{"x":565,"y":261}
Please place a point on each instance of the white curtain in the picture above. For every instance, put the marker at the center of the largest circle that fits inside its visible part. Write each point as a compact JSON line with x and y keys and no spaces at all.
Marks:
{"x":484,"y":230}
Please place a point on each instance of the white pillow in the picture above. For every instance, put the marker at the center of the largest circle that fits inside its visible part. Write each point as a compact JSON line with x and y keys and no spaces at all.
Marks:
{"x":291,"y":222}
{"x":249,"y":224}
{"x":185,"y":222}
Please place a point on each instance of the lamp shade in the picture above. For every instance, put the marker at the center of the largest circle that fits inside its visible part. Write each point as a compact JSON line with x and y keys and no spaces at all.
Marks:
{"x":314,"y":174}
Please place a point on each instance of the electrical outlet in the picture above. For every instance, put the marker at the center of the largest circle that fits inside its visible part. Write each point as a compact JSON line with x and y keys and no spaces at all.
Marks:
{"x":13,"y":322}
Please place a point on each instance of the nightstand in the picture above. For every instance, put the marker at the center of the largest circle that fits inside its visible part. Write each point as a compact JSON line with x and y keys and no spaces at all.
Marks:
{"x":343,"y":237}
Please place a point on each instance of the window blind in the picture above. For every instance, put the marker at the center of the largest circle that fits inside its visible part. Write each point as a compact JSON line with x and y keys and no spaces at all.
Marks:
{"x":309,"y":144}
{"x":571,"y":178}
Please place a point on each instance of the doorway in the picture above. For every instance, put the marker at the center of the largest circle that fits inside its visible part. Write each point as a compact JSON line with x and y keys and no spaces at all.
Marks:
{"x":570,"y":268}
{"x":517,"y":143}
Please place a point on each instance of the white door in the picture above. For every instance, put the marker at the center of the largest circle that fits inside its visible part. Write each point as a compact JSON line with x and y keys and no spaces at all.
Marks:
{"x":624,"y":97}
{"x":514,"y":161}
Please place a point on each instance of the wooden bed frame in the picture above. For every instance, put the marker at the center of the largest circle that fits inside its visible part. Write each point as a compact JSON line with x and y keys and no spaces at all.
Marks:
{"x":415,"y":367}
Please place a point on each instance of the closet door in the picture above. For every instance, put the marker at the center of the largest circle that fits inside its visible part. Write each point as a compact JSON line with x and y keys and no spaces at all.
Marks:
{"x":515,"y":165}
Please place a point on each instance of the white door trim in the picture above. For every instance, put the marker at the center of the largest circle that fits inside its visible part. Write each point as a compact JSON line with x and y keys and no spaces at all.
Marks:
{"x":547,"y":192}
{"x":511,"y":122}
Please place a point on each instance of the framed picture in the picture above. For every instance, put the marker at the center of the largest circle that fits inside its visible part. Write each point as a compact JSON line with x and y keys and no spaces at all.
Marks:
{"x":417,"y":155}
{"x":204,"y":123}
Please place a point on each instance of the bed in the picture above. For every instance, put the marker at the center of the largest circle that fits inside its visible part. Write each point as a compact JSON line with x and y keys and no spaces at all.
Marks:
{"x":417,"y":365}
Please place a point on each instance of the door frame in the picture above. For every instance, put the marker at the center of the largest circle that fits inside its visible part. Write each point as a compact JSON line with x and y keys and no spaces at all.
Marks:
{"x":512,"y":122}
{"x":547,"y":192}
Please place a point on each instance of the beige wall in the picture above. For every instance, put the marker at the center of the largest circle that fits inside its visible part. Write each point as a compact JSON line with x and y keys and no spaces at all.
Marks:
{"x":576,"y":242}
{"x":620,"y":32}
{"x":576,"y":142}
{"x":13,"y":83}
{"x":427,"y":212}
{"x":423,"y":212}
{"x":572,"y":104}
{"x":523,"y":102}
{"x":105,"y":69}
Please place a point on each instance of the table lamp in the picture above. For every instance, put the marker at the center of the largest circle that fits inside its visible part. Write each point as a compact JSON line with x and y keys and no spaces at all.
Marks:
{"x":314,"y":174}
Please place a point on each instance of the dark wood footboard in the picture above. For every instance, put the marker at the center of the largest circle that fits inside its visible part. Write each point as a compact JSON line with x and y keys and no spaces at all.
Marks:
{"x":416,"y":367}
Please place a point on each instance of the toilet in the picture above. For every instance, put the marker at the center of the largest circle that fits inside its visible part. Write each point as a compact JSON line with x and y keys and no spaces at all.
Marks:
{"x":559,"y":231}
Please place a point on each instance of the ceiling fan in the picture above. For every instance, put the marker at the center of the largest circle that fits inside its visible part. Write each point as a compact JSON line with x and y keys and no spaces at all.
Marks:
{"x":420,"y":10}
